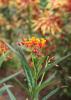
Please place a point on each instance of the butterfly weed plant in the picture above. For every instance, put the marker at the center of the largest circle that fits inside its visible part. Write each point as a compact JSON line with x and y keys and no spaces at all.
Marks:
{"x":36,"y":68}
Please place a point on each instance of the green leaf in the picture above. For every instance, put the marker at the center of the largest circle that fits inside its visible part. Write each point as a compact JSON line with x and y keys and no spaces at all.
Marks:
{"x":37,"y":64}
{"x":9,"y":77}
{"x":27,"y":69}
{"x":11,"y":95}
{"x":50,"y":94}
{"x":49,"y":66}
{"x":3,"y":57}
{"x":45,"y":83}
{"x":69,"y":77}
{"x":3,"y":89}
{"x":25,"y":65}
{"x":43,"y":4}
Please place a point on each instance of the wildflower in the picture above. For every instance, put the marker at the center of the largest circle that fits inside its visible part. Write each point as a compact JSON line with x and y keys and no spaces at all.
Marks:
{"x":39,"y":42}
{"x":3,"y":48}
{"x":34,"y":44}
{"x":48,"y":23}
{"x":56,"y":4}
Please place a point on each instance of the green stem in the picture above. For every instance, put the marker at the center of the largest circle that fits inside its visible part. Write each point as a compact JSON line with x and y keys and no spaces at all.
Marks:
{"x":29,"y":10}
{"x":44,"y":72}
{"x":35,"y":97}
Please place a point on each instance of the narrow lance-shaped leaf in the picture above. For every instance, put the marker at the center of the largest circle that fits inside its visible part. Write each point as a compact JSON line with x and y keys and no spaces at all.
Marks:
{"x":42,"y":77}
{"x":11,"y":95}
{"x":27,"y":69}
{"x":25,"y":65}
{"x":9,"y":77}
{"x":39,"y":64}
{"x":45,"y":83}
{"x":3,"y":89}
{"x":50,"y":94}
{"x":49,"y":66}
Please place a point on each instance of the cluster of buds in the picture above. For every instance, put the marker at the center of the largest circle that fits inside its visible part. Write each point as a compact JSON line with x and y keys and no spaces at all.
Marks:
{"x":34,"y":44}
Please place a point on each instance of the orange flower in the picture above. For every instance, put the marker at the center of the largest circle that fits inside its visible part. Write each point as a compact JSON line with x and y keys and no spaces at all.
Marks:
{"x":34,"y":44}
{"x":3,"y":48}
{"x":39,"y":42}
{"x":47,"y":23}
{"x":54,"y":4}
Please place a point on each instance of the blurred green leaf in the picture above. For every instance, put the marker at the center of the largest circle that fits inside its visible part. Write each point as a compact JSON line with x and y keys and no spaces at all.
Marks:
{"x":50,"y":94}
{"x":3,"y":58}
{"x":27,"y":69}
{"x":11,"y":95}
{"x":3,"y":89}
{"x":10,"y":77}
{"x":49,"y":66}
{"x":25,"y":65}
{"x":45,"y":83}
{"x":43,"y":4}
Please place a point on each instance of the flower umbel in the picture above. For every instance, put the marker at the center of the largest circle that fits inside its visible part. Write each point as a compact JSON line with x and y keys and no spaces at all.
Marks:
{"x":34,"y":44}
{"x":39,"y":42}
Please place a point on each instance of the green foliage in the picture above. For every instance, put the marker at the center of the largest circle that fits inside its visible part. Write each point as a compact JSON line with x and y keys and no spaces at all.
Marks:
{"x":43,"y":4}
{"x":34,"y":87}
{"x":9,"y":77}
{"x":3,"y":89}
{"x":11,"y":95}
{"x":3,"y":58}
{"x":13,"y":63}
{"x":50,"y":94}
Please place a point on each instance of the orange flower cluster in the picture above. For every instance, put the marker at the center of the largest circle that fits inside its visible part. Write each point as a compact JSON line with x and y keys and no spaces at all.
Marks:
{"x":34,"y":44}
{"x":59,"y":4}
{"x":54,"y":4}
{"x":38,"y":42}
{"x":3,"y":48}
